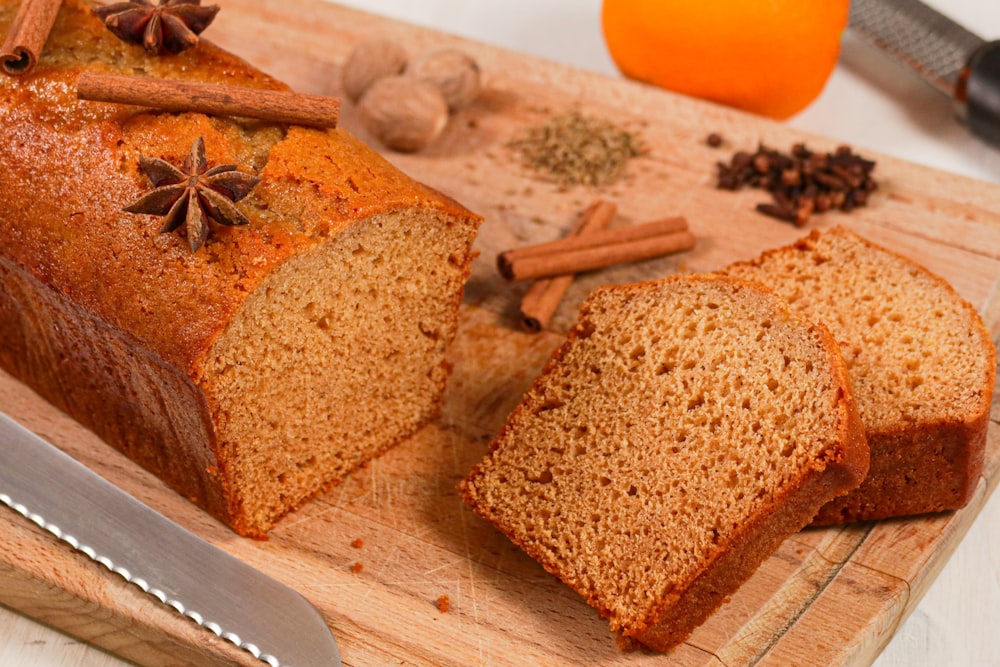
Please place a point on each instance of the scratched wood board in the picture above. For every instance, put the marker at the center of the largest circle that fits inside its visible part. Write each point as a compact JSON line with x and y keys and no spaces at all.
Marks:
{"x":827,"y":596}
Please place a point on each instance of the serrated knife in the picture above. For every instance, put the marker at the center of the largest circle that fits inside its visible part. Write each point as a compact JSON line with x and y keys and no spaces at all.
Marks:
{"x":215,"y":590}
{"x":954,"y":60}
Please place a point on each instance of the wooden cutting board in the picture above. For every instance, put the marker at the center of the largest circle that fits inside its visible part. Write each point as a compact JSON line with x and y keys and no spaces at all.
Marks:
{"x":831,"y":596}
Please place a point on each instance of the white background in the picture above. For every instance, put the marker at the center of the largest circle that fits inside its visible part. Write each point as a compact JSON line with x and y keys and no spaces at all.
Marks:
{"x":869,"y":103}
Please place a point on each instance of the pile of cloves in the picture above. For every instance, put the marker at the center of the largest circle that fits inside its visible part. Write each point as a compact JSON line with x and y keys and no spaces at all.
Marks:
{"x":803,"y":182}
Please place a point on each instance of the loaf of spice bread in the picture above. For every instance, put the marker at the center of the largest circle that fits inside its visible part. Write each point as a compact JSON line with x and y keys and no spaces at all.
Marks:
{"x":920,"y":360}
{"x":683,"y":430}
{"x":260,"y":369}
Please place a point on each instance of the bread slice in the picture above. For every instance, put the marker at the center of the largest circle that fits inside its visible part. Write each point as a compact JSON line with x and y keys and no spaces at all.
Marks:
{"x":261,"y":369}
{"x":920,"y":360}
{"x":683,"y":430}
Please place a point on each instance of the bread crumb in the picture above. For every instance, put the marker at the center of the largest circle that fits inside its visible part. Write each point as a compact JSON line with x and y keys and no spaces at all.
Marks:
{"x":626,"y":644}
{"x":357,"y":543}
{"x":357,"y":567}
{"x":444,"y":604}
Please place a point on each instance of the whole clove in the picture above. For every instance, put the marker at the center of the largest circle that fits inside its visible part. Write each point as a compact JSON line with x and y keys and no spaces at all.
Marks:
{"x":801,"y":182}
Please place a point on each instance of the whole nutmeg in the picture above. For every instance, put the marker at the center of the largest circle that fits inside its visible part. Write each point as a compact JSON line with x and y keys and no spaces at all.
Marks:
{"x":404,"y":113}
{"x":451,"y":71}
{"x":371,"y":60}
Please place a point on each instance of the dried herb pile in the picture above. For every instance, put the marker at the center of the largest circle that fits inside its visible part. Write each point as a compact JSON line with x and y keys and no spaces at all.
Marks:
{"x":803,"y":182}
{"x":574,"y":149}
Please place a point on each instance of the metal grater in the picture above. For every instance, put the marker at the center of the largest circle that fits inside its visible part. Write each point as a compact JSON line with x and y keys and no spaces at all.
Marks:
{"x":954,"y":60}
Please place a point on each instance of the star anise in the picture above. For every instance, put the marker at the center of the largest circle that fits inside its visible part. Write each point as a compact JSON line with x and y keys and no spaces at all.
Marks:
{"x":194,"y":194}
{"x":171,"y":26}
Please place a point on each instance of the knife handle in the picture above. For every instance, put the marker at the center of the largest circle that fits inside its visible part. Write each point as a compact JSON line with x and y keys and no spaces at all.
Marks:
{"x":978,"y":92}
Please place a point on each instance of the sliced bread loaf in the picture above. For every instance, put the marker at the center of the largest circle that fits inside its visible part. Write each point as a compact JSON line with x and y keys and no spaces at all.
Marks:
{"x":919,"y":358}
{"x":683,"y":430}
{"x":263,"y":368}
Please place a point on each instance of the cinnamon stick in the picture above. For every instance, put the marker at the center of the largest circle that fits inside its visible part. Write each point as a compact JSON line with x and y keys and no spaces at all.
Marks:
{"x":542,"y":299}
{"x":27,"y":34}
{"x":508,"y":262}
{"x":575,"y":261}
{"x":217,"y":99}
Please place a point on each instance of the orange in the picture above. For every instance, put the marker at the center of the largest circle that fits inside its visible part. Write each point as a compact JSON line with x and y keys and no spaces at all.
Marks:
{"x":771,"y":57}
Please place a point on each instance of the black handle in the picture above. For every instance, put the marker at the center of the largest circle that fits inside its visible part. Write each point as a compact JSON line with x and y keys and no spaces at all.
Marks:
{"x":980,"y":87}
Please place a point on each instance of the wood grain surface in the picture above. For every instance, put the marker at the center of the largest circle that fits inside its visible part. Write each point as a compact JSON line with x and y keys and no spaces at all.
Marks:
{"x":828,"y":596}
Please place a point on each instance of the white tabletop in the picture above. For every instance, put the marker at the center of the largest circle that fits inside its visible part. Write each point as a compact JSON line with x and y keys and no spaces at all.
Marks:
{"x":869,"y":103}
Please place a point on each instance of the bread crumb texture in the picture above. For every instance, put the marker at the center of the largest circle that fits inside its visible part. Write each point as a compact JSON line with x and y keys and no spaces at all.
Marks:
{"x":336,"y":357}
{"x":677,"y":414}
{"x":913,"y":346}
{"x":920,"y":361}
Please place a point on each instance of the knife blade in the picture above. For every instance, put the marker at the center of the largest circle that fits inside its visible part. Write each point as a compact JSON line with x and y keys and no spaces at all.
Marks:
{"x":207,"y":585}
{"x":953,"y":59}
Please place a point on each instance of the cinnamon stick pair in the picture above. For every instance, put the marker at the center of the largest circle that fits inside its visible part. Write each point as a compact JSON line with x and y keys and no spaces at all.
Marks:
{"x":542,"y":299}
{"x":589,"y":246}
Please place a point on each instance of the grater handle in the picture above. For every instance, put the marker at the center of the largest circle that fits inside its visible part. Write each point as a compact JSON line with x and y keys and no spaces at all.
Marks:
{"x":978,"y":92}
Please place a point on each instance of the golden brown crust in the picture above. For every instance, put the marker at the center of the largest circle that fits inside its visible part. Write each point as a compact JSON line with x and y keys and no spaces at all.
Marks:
{"x":933,"y":469}
{"x":85,"y":367}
